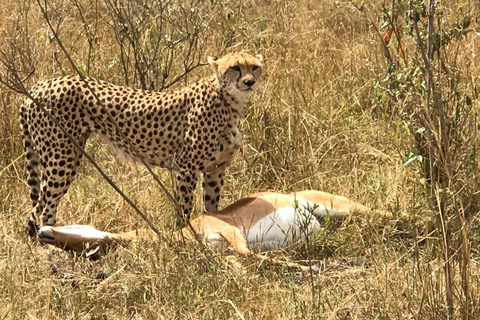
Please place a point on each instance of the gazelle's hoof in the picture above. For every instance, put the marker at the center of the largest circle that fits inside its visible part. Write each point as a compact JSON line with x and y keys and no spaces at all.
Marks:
{"x":45,"y":235}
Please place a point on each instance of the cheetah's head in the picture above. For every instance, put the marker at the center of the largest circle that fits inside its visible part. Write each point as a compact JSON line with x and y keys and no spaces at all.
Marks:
{"x":238,"y":73}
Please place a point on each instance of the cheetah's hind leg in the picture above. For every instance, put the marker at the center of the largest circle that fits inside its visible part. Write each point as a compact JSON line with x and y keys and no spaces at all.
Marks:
{"x":52,"y":163}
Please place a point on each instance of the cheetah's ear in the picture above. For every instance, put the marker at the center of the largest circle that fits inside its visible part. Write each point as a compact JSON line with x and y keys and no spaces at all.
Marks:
{"x":259,"y":57}
{"x":212,"y":61}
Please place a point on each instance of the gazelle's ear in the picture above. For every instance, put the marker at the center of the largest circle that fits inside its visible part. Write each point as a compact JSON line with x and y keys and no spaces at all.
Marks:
{"x":259,"y":57}
{"x":212,"y":61}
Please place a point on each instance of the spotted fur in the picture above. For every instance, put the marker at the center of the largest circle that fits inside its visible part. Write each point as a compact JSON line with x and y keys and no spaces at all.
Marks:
{"x":195,"y":130}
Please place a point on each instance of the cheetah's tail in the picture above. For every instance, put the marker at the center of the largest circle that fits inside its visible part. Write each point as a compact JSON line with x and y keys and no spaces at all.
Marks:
{"x":32,"y":158}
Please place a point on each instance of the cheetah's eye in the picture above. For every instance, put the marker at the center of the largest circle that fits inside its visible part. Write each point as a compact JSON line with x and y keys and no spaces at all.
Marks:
{"x":235,"y":68}
{"x":255,"y":68}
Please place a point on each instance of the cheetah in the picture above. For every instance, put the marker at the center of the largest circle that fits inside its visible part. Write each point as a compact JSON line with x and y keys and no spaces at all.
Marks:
{"x":194,"y":131}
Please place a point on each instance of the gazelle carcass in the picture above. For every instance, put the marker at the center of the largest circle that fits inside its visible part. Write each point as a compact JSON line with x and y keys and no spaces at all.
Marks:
{"x":258,"y":222}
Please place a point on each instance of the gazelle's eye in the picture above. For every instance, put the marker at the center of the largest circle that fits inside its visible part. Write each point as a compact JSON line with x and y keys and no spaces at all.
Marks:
{"x":235,"y":68}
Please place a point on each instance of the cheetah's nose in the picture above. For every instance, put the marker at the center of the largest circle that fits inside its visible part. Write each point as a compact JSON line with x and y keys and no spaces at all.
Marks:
{"x":249,"y":82}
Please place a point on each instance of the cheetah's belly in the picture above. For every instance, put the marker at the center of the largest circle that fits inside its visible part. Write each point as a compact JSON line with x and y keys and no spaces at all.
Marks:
{"x":162,"y":153}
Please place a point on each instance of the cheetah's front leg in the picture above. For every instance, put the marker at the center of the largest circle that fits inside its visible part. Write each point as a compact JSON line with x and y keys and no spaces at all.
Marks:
{"x":229,"y":145}
{"x":186,"y":182}
{"x":212,"y":186}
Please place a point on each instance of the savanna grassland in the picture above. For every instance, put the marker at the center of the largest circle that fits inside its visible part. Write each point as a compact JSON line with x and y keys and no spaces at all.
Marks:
{"x":388,"y":119}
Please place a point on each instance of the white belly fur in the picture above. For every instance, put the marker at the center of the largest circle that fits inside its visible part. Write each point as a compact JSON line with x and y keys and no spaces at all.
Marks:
{"x":285,"y":225}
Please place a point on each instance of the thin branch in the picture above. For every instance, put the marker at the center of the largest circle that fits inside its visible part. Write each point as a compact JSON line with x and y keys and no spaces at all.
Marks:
{"x":386,"y":50}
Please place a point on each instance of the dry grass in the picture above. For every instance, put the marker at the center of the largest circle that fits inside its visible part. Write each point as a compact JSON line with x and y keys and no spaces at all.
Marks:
{"x":329,"y":116}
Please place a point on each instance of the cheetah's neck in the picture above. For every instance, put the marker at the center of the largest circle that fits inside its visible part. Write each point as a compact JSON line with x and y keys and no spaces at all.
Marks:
{"x":236,"y":103}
